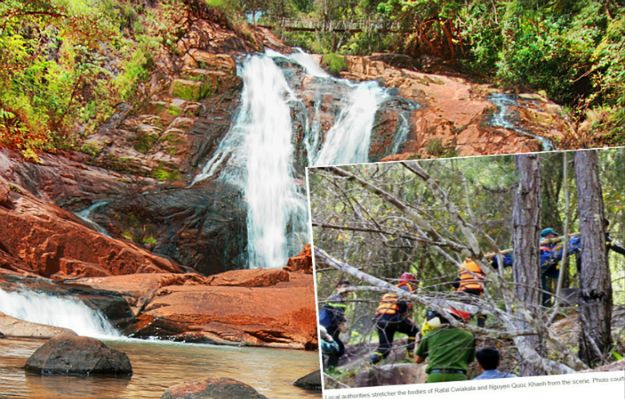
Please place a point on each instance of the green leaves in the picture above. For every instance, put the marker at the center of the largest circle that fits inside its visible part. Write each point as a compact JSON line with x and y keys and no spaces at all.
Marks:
{"x":66,"y":63}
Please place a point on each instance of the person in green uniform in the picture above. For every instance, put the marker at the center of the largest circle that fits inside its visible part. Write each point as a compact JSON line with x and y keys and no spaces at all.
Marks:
{"x":449,"y":350}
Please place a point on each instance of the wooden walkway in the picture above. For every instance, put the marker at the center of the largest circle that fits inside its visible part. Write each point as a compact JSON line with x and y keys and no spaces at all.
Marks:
{"x":299,"y":25}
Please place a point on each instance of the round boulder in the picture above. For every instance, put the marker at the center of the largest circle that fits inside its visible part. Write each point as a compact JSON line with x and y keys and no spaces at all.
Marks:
{"x":311,"y":382}
{"x":74,"y":355}
{"x":212,"y":388}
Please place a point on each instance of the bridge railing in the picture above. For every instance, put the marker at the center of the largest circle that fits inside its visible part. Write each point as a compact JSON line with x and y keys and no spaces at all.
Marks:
{"x":332,"y":26}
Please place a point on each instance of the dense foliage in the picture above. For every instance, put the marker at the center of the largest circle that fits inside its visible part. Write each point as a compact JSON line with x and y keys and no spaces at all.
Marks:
{"x":574,"y":50}
{"x":67,"y":63}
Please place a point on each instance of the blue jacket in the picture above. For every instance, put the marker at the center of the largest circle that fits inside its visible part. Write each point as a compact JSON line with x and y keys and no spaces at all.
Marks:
{"x":550,"y":255}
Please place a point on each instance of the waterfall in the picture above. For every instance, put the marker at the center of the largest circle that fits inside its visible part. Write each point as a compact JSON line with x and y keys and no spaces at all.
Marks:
{"x":273,"y":129}
{"x":349,"y":138}
{"x":56,"y":311}
{"x":503,"y":102}
{"x":259,"y":151}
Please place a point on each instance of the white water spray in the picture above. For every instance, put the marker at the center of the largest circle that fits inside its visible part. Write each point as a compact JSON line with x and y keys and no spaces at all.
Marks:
{"x":55,"y":311}
{"x":258,"y":152}
{"x":305,"y":60}
{"x":348,"y":140}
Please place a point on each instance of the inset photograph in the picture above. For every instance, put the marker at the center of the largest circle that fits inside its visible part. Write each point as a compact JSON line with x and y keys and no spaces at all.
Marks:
{"x":470,"y":268}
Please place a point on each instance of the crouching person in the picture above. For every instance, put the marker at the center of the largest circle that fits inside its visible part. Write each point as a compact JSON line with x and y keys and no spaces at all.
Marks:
{"x":329,"y":347}
{"x":449,"y":350}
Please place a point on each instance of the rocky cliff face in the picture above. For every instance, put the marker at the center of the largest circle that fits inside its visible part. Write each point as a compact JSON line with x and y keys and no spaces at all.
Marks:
{"x":52,"y":242}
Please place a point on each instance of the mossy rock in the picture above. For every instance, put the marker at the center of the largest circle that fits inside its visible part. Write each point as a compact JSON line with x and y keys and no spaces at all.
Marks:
{"x":189,"y":89}
{"x":164,"y":173}
{"x":145,"y":142}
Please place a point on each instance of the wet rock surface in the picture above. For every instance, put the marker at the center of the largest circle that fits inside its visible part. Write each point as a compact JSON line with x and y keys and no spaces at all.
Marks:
{"x":455,"y":113}
{"x":212,"y":388}
{"x":202,"y":227}
{"x":52,"y":242}
{"x":12,"y":327}
{"x":73,"y":355}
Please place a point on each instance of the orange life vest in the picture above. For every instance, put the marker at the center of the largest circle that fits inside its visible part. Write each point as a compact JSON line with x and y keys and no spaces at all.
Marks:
{"x":471,"y":276}
{"x":388,"y":304}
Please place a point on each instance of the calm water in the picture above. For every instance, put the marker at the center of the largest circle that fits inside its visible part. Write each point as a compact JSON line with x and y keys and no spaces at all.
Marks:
{"x":156,"y":367}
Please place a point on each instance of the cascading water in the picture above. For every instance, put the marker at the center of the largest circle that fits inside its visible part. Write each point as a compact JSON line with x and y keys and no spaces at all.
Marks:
{"x":348,"y":140}
{"x":55,"y":311}
{"x":259,"y":151}
{"x":86,"y":213}
{"x":274,"y":128}
{"x":503,"y":102}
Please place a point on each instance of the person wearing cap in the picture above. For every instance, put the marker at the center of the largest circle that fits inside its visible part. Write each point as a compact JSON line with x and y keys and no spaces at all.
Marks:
{"x":549,"y":263}
{"x":449,"y":350}
{"x":488,"y":358}
{"x":393,"y":315}
{"x":551,"y":253}
{"x":332,"y":318}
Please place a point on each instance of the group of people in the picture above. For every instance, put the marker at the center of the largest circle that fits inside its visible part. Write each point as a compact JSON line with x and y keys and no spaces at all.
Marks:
{"x":551,"y":254}
{"x":448,"y":349}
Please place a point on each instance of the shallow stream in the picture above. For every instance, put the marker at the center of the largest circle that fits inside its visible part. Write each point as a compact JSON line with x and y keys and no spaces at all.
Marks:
{"x":157,"y":366}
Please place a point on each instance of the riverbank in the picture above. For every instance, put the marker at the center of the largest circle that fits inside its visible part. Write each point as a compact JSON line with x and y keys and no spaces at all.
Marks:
{"x":157,"y":365}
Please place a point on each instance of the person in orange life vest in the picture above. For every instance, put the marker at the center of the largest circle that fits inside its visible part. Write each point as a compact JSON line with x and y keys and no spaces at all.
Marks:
{"x":393,"y":315}
{"x":471,"y":281}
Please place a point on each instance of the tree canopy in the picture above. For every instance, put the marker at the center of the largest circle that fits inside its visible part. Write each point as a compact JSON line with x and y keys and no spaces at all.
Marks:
{"x":573,"y":50}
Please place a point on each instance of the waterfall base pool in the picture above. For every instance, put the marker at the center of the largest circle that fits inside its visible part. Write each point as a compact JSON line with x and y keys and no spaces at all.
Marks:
{"x":156,"y":367}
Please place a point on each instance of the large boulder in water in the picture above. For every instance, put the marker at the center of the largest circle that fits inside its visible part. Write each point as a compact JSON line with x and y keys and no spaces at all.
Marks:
{"x":311,"y":382}
{"x":73,"y":355}
{"x":212,"y":388}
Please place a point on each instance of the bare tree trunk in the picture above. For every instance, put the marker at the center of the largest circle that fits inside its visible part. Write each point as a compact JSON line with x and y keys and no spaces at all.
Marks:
{"x":595,"y":308}
{"x":525,"y":237}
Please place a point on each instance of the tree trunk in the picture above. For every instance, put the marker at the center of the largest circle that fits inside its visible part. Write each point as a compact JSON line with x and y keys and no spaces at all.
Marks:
{"x":595,"y":308}
{"x":525,"y":238}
